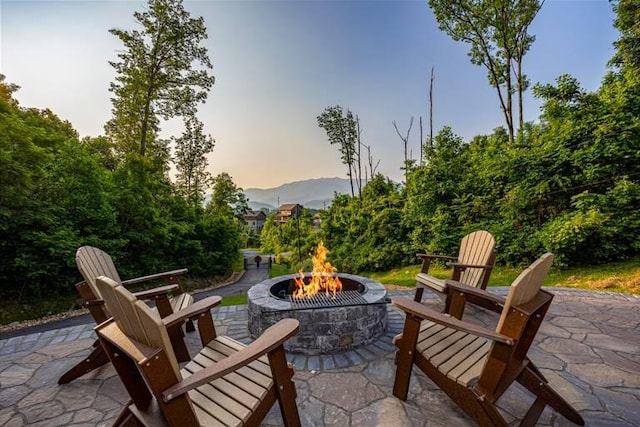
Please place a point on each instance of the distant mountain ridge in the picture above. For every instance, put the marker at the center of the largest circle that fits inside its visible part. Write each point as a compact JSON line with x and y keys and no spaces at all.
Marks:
{"x":311,"y":193}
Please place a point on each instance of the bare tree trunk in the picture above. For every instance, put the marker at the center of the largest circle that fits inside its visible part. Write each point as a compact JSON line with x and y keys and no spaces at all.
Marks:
{"x":405,"y":141}
{"x":422,"y":142}
{"x":507,"y":73}
{"x":520,"y":94}
{"x":370,"y":160}
{"x":431,"y":110}
{"x":359,"y":156}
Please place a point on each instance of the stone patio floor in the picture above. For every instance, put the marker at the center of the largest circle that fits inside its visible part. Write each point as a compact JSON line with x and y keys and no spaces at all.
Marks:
{"x":588,"y":348}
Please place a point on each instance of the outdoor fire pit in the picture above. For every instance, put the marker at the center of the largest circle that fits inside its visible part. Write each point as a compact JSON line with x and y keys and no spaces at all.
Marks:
{"x":330,"y":321}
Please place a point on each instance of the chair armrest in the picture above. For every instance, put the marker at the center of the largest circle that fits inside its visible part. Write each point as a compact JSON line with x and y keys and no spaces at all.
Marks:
{"x":421,"y":311}
{"x":194,"y":310}
{"x":156,"y":292}
{"x":454,"y":286}
{"x":154,"y":276}
{"x":271,"y":339}
{"x":429,"y":256}
{"x":461,"y":266}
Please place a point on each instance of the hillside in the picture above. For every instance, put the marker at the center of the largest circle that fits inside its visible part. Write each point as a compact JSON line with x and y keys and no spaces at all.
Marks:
{"x":311,"y":193}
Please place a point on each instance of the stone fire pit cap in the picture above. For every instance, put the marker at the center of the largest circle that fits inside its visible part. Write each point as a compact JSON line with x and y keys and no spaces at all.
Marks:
{"x":259,"y":293}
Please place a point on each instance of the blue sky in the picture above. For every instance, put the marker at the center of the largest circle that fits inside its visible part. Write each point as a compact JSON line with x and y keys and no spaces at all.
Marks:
{"x":278,"y":64}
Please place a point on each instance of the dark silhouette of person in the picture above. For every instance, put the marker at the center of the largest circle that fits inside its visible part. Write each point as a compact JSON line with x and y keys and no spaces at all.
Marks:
{"x":257,"y":259}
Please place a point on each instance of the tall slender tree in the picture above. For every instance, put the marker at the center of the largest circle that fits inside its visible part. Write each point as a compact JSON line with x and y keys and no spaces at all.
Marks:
{"x":342,"y":130}
{"x":192,"y":148}
{"x":162,"y":72}
{"x":497,"y":32}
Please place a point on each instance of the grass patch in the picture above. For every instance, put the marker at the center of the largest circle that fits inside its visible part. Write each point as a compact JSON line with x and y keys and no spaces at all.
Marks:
{"x":623,"y":276}
{"x":233,"y":300}
{"x":279,"y":270}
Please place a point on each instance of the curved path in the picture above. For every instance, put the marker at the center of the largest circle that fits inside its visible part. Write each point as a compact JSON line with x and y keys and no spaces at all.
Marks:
{"x":588,"y":348}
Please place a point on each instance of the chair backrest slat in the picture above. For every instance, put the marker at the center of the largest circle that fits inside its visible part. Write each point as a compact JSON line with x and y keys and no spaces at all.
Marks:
{"x":124,"y":316}
{"x":526,"y":286}
{"x":93,"y":263}
{"x":475,"y":248}
{"x":136,"y":319}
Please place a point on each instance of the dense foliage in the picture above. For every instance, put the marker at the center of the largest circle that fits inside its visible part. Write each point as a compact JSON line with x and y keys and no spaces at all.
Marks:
{"x":114,"y":191}
{"x":569,"y":184}
{"x":59,"y":193}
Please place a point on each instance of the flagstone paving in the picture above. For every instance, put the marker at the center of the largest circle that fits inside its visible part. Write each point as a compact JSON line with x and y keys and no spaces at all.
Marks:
{"x":588,"y":348}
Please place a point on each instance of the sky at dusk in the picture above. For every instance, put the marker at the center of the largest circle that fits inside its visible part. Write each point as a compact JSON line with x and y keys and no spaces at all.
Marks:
{"x":279,"y":64}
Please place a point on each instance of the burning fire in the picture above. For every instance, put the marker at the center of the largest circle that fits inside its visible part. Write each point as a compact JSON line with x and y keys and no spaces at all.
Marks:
{"x":322,"y":278}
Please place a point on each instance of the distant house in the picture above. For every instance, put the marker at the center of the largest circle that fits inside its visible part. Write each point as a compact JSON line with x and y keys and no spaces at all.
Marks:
{"x":287,"y":212}
{"x":255,"y":220}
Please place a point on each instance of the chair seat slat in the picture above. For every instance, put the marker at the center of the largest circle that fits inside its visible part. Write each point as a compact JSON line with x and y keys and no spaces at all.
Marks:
{"x":231,"y":405}
{"x":435,"y":338}
{"x":237,"y":345}
{"x":245,"y":378}
{"x":461,"y":372}
{"x":181,"y":301}
{"x":222,"y":346}
{"x":237,"y":386}
{"x":444,"y":345}
{"x":207,"y":409}
{"x":452,"y":350}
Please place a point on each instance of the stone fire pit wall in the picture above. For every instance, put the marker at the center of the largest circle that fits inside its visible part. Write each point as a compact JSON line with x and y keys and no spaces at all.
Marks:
{"x":322,"y":330}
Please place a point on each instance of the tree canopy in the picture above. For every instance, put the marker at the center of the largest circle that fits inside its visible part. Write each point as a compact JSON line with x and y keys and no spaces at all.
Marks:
{"x":161,"y":73}
{"x":497,"y":32}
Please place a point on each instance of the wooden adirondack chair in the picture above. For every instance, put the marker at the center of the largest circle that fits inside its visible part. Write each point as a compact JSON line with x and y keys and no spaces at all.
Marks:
{"x":92,"y":263}
{"x":472,"y":266}
{"x":474,"y":365}
{"x":226,"y":383}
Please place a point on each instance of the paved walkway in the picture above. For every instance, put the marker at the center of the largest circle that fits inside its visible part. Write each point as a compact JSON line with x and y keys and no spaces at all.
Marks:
{"x":588,"y":348}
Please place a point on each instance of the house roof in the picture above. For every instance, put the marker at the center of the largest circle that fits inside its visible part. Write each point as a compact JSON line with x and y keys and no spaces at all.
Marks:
{"x":288,"y":207}
{"x":254,"y":214}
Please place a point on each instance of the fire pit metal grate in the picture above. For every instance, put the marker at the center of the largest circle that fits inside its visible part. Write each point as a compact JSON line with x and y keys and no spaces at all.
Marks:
{"x":322,"y":300}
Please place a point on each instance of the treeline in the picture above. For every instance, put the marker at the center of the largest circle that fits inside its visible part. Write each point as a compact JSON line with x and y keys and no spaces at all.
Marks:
{"x":568,"y":184}
{"x":59,"y":193}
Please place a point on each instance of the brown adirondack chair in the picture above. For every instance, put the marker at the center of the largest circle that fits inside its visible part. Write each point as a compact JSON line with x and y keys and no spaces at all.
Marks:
{"x":472,"y":266}
{"x":92,"y":263}
{"x":226,"y":383}
{"x":474,"y":365}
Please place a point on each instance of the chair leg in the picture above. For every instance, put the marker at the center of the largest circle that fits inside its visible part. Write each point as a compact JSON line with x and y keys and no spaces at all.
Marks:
{"x":189,"y":326}
{"x":126,"y":418}
{"x":96,"y":359}
{"x":418,"y":295}
{"x":176,"y":336}
{"x":285,"y":388}
{"x":545,"y":395}
{"x":405,"y":357}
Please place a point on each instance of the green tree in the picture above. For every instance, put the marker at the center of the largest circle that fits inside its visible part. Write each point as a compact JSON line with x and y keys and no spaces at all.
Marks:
{"x":191,"y":161}
{"x":7,"y":90}
{"x":341,"y":129}
{"x":627,"y":56}
{"x":367,"y":233}
{"x":161,"y":73}
{"x":227,"y":197}
{"x":287,"y":237}
{"x":497,"y":32}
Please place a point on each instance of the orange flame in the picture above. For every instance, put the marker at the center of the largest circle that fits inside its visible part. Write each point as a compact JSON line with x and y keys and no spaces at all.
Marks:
{"x":322,"y":277}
